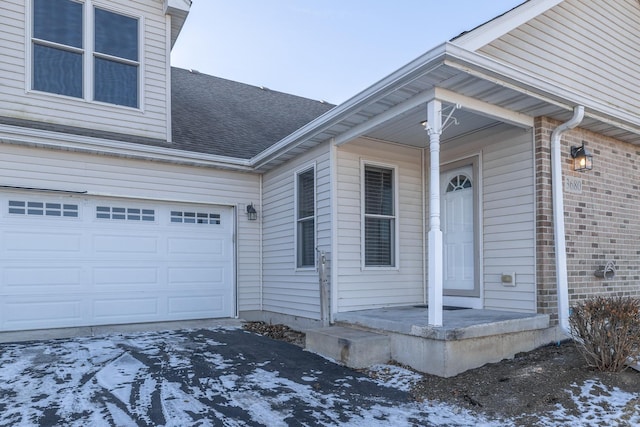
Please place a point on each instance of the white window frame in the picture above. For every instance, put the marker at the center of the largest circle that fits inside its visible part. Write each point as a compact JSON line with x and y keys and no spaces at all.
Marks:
{"x":296,"y":176}
{"x":88,"y":53}
{"x":395,"y":217}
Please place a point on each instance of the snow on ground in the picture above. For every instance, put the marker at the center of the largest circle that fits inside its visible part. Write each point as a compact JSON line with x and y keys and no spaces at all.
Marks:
{"x":233,"y":378}
{"x":597,"y":406}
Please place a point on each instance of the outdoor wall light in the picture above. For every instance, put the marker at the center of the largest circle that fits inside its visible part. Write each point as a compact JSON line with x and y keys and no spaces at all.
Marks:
{"x":582,"y":159}
{"x":252,"y":214}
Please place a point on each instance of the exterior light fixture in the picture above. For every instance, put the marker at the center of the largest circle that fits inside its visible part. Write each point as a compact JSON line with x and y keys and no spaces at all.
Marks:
{"x":582,"y":159}
{"x":252,"y":214}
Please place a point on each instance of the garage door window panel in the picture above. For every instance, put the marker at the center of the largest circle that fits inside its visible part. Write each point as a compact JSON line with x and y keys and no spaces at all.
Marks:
{"x":37,"y":208}
{"x":189,"y":217}
{"x":125,"y":214}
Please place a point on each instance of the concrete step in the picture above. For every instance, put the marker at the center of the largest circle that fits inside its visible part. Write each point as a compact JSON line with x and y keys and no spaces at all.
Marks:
{"x":351,"y":347}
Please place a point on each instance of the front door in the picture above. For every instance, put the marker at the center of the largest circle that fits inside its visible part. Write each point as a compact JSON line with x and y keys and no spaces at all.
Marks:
{"x":458,"y":227}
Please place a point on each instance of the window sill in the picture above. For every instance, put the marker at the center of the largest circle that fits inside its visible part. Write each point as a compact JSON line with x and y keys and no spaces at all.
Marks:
{"x":45,"y":95}
{"x":380,"y":268}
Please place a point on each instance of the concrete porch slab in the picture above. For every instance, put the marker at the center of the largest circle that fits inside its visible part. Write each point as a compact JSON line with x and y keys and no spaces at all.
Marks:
{"x":457,"y":324}
{"x":468,"y":338}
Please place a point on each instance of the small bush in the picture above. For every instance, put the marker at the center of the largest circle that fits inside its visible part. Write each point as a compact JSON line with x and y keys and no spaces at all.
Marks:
{"x":607,"y":331}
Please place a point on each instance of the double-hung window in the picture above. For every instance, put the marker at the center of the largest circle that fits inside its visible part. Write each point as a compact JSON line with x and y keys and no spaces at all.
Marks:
{"x":379,"y":217}
{"x":305,"y":219}
{"x":72,"y":57}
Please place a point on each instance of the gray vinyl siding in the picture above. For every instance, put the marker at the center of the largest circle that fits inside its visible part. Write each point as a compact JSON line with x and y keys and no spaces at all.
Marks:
{"x":103,"y":175}
{"x":508,"y":214}
{"x":288,"y":290}
{"x":150,"y":121}
{"x":360,"y":289}
{"x":590,"y":47}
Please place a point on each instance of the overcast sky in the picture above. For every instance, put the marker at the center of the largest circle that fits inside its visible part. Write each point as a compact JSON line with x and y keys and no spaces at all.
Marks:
{"x":320,"y":49}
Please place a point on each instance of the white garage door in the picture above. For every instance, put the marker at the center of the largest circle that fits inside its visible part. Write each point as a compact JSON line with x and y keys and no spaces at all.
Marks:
{"x":77,"y":261}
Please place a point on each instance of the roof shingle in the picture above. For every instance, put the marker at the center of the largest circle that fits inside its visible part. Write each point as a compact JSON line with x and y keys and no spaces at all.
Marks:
{"x":222,"y":117}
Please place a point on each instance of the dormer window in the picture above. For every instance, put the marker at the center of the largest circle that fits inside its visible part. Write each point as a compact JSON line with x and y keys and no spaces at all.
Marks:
{"x":58,"y":48}
{"x":96,"y":60}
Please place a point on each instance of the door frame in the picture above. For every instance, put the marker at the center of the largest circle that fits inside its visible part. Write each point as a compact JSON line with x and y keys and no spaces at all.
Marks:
{"x":474,"y":162}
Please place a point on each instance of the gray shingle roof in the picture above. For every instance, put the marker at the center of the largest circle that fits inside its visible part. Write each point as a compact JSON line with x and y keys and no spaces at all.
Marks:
{"x":218,"y":116}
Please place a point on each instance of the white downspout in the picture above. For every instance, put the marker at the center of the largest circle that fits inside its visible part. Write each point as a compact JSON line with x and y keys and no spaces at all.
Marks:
{"x":558,"y":218}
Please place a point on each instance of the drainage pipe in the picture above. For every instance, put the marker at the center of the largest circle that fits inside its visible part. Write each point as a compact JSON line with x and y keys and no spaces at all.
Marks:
{"x":558,"y":218}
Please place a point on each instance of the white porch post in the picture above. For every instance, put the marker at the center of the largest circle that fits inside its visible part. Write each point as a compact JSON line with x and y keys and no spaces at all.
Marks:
{"x":434,"y":129}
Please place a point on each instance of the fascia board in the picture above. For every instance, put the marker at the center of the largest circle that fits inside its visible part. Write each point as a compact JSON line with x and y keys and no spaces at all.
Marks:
{"x":177,"y":10}
{"x":508,"y":76}
{"x":420,"y":66}
{"x":179,"y":7}
{"x":496,"y":28}
{"x":33,"y":137}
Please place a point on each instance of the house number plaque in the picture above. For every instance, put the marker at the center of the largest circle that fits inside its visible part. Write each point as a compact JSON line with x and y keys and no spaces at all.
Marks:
{"x":573,"y":185}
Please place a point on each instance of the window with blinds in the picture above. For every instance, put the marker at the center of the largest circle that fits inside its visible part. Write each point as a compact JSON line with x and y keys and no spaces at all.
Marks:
{"x":379,"y":217}
{"x":305,"y":218}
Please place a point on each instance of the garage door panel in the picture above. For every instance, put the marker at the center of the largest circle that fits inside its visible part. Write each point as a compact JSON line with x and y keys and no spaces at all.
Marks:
{"x":90,"y":270}
{"x":199,"y":246}
{"x":42,"y":279}
{"x":119,"y":244}
{"x":127,"y":309}
{"x":211,"y":277}
{"x":49,"y":312}
{"x":42,"y":241}
{"x":195,"y":306}
{"x":126,"y":276}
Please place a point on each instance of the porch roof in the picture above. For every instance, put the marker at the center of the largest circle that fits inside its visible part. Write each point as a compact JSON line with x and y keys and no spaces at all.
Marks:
{"x":488,"y":92}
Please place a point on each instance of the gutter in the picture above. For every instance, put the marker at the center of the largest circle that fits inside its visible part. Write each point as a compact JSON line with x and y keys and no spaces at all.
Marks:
{"x":16,"y":135}
{"x":558,"y":218}
{"x":413,"y":70}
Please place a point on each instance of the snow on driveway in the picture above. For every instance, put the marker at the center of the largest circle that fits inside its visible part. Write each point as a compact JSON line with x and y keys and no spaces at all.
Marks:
{"x":226,"y":377}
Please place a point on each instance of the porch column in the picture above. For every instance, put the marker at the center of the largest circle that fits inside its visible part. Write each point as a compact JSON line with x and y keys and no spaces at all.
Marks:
{"x":434,"y":129}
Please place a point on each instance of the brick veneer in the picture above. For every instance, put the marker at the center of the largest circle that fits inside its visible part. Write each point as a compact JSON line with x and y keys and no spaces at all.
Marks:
{"x":601,"y":224}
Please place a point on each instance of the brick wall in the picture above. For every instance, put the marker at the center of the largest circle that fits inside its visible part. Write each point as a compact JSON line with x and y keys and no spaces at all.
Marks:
{"x":601,"y":224}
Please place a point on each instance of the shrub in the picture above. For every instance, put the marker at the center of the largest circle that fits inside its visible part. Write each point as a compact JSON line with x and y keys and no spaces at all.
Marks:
{"x":607,"y":331}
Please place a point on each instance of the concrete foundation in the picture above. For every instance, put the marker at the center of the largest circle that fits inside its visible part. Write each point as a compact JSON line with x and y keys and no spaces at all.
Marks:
{"x":295,"y":322}
{"x":447,"y":358}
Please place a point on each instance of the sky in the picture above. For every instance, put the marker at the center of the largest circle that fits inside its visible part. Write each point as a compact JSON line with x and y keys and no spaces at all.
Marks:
{"x":320,"y":49}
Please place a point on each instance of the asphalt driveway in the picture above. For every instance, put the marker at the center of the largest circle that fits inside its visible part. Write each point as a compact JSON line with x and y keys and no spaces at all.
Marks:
{"x":198,"y":377}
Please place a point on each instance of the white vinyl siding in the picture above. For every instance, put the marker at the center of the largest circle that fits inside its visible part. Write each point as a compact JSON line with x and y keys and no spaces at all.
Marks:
{"x":286,"y":289}
{"x":127,"y":178}
{"x":508,"y":214}
{"x":575,"y":45}
{"x":18,"y":101}
{"x":360,"y":288}
{"x":509,"y":223}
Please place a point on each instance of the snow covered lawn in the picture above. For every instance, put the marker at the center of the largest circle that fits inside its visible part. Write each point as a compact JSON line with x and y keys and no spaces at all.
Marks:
{"x":227,"y":377}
